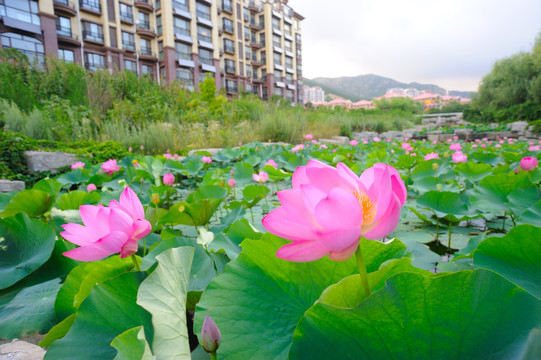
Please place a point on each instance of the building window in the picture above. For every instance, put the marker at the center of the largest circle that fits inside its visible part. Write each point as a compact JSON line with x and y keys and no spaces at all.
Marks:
{"x":161,"y":55}
{"x":31,"y":47}
{"x":202,"y":11}
{"x":128,"y":41}
{"x":248,"y":88}
{"x":262,"y":21}
{"x":130,"y":66}
{"x":205,"y":57}
{"x":144,"y":21}
{"x":246,"y":33}
{"x":298,"y":38}
{"x":228,"y":25}
{"x":94,"y":62}
{"x":126,"y":12}
{"x":277,"y":75}
{"x":227,"y":5}
{"x":204,"y":33}
{"x":277,"y":41}
{"x":231,"y":86}
{"x":93,"y":32}
{"x":248,"y":71}
{"x":22,"y":10}
{"x":66,"y":55}
{"x":63,"y":26}
{"x":185,"y":77}
{"x":289,"y":78}
{"x":245,"y":14}
{"x":229,"y":46}
{"x":277,"y":59}
{"x":147,"y":70}
{"x":254,"y":37}
{"x":278,"y":92}
{"x":299,"y":53}
{"x":229,"y":66}
{"x":247,"y":53}
{"x":181,"y":4}
{"x":158,"y":4}
{"x":264,"y":93}
{"x":145,"y":46}
{"x":181,"y":26}
{"x":289,"y":63}
{"x":287,"y":45}
{"x":262,"y":41}
{"x":287,"y":29}
{"x":93,"y":5}
{"x":183,"y":51}
{"x":159,"y":28}
{"x":275,"y":23}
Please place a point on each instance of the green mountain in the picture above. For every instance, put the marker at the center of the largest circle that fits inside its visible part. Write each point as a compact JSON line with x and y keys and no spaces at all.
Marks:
{"x":369,"y":86}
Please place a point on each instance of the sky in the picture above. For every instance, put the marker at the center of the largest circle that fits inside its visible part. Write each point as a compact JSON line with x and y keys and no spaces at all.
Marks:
{"x":451,"y":43}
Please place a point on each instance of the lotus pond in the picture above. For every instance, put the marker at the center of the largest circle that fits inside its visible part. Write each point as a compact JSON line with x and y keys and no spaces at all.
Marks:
{"x":456,"y":276}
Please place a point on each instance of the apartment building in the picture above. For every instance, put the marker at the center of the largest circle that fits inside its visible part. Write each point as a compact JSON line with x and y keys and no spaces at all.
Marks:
{"x":313,"y":94}
{"x":246,"y":45}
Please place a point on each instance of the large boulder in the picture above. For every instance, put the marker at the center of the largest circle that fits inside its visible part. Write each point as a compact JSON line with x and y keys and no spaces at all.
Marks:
{"x":9,"y":185}
{"x":364,"y":135}
{"x":519,"y":126}
{"x":21,"y":350}
{"x":48,"y":161}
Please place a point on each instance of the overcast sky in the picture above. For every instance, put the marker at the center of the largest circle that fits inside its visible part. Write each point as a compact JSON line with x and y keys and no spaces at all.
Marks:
{"x":451,"y":43}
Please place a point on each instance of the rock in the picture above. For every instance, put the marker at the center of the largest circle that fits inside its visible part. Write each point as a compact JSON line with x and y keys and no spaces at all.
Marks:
{"x":211,"y":151}
{"x":48,"y":161}
{"x":366,"y":135}
{"x":342,"y":140}
{"x":408,"y":133}
{"x":519,"y":126}
{"x":8,"y":185}
{"x":21,"y":350}
{"x":391,"y":135}
{"x":463,"y":134}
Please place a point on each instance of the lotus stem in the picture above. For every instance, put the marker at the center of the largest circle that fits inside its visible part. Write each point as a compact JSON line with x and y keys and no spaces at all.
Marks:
{"x":213,"y":356}
{"x":449,"y":243}
{"x":362,"y":271}
{"x":135,"y":262}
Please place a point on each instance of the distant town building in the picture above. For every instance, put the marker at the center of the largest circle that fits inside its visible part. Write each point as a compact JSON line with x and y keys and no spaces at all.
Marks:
{"x":410,"y":92}
{"x":313,"y":94}
{"x":250,"y":45}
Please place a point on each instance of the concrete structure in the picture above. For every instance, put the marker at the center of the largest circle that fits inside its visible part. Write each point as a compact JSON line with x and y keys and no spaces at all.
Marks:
{"x":313,"y":94}
{"x":246,"y":45}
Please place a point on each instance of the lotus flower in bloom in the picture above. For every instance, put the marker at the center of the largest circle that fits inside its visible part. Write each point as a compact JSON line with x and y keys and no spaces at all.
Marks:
{"x":528,"y":163}
{"x":78,"y":164}
{"x":169,"y":179}
{"x":231,"y":182}
{"x":455,"y":147}
{"x":459,"y":157}
{"x":353,"y":143}
{"x":109,"y":167}
{"x":329,"y":209}
{"x":271,"y":163}
{"x":261,"y":178}
{"x":91,"y":187}
{"x":431,"y":156}
{"x":309,"y":137}
{"x":108,"y":230}
{"x":206,"y":159}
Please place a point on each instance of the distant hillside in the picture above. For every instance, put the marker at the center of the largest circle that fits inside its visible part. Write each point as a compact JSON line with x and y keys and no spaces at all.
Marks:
{"x":370,"y":86}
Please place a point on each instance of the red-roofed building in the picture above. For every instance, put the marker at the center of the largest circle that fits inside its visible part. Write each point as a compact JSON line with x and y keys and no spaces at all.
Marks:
{"x":339,"y":102}
{"x":363,"y":104}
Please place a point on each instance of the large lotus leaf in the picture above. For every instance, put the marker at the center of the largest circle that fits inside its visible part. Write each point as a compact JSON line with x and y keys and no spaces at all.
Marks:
{"x":447,"y":204}
{"x":58,"y":331}
{"x":163,"y":294}
{"x":25,"y":245}
{"x":487,"y":158}
{"x":242,"y":172}
{"x":516,"y":256}
{"x":82,"y":279}
{"x":433,"y":183}
{"x":533,"y":347}
{"x":473,"y":171}
{"x":491,"y":193}
{"x":532,"y":215}
{"x":30,"y":311}
{"x":463,"y":315}
{"x":76,"y":176}
{"x":74,"y":199}
{"x":425,"y":169}
{"x":132,"y":345}
{"x":50,"y":186}
{"x":108,"y":311}
{"x":258,"y":300}
{"x":523,"y":198}
{"x":32,"y":202}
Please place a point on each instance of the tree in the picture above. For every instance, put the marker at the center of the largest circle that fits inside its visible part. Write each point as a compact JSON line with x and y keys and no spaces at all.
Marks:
{"x":208,"y":89}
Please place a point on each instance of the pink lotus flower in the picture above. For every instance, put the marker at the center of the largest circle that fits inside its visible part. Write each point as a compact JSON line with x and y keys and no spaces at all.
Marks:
{"x":431,"y":156}
{"x":77,"y":165}
{"x":231,"y":182}
{"x":109,"y":167}
{"x":528,"y":163}
{"x":271,"y":163}
{"x":168,"y":155}
{"x":297,"y":148}
{"x":474,"y":146}
{"x":497,"y":146}
{"x":210,"y":335}
{"x":407,"y":146}
{"x":309,"y":137}
{"x":168,"y":179}
{"x":108,"y":230}
{"x":353,"y":143}
{"x":377,"y":139}
{"x":455,"y":147}
{"x":323,"y":146}
{"x":206,"y":159}
{"x":329,"y":209}
{"x":534,"y":148}
{"x":91,"y":187}
{"x":459,"y":157}
{"x":261,"y":178}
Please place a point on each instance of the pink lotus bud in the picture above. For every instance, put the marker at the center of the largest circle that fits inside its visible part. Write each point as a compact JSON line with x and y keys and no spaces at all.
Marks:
{"x":231,"y":182}
{"x":353,"y":142}
{"x":261,"y":178}
{"x":206,"y":159}
{"x":308,"y":137}
{"x":78,"y":164}
{"x":455,"y":147}
{"x":91,"y":187}
{"x":210,"y":335}
{"x":528,"y":163}
{"x":169,"y":179}
{"x":129,"y":149}
{"x":271,"y":163}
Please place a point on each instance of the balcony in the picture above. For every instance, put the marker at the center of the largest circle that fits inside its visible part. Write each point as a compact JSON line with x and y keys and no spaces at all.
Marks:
{"x":94,"y":67}
{"x":144,"y":4}
{"x":143,"y":28}
{"x":147,"y":54}
{"x":126,"y":17}
{"x":128,"y":46}
{"x":229,"y":49}
{"x":93,"y":37}
{"x":91,"y":6}
{"x":254,"y":26}
{"x":227,"y":6}
{"x":256,"y":63}
{"x":228,"y":29}
{"x":65,"y":7}
{"x":255,"y":45}
{"x":230,"y":69}
{"x":253,"y":7}
{"x":65,"y":35}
